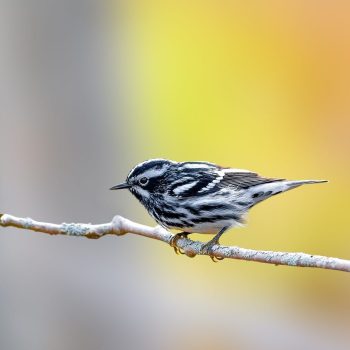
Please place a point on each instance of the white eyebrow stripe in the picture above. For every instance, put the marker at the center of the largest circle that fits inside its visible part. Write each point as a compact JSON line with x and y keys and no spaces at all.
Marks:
{"x":154,"y":172}
{"x":150,"y":161}
{"x":185,"y":187}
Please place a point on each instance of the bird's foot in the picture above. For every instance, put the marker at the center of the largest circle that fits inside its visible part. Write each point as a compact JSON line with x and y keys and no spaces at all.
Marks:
{"x":208,"y":250}
{"x":174,"y":239}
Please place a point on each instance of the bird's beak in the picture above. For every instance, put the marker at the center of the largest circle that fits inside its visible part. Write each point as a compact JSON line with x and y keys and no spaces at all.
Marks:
{"x":120,"y":186}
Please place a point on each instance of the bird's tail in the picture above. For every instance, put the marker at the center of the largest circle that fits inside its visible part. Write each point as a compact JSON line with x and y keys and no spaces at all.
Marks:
{"x":261,"y":192}
{"x":293,"y":184}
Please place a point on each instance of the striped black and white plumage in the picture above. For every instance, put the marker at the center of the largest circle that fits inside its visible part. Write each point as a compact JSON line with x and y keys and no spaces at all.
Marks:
{"x":200,"y":197}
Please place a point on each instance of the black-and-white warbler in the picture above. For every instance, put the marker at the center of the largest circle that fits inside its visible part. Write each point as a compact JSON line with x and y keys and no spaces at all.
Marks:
{"x":200,"y":197}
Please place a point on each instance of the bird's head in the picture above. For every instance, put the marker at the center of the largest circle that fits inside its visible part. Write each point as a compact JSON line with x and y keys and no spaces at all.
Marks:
{"x":148,"y":178}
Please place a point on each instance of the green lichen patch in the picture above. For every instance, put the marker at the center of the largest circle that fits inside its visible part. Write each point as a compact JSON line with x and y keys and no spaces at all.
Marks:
{"x":74,"y":229}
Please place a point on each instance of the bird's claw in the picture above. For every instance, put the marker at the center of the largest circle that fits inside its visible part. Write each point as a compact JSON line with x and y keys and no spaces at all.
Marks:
{"x":208,"y":250}
{"x":173,"y":242}
{"x":216,"y":259}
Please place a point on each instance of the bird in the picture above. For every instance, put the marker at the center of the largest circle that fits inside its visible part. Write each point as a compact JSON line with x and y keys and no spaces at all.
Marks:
{"x":200,"y":197}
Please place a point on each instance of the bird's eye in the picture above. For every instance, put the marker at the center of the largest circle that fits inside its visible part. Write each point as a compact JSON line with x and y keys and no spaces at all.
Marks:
{"x":143,"y":181}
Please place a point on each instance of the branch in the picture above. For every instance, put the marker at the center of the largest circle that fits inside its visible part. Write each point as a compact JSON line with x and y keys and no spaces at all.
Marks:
{"x":120,"y":226}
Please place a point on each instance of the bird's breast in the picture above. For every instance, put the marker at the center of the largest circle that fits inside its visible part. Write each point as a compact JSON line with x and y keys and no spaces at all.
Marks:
{"x":191,"y":215}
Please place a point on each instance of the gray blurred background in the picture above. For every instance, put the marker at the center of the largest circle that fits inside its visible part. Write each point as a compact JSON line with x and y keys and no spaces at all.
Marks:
{"x":60,"y":152}
{"x":65,"y":139}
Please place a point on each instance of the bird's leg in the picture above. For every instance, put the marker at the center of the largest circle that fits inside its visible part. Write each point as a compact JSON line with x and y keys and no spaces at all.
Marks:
{"x":208,"y":247}
{"x":175,"y":238}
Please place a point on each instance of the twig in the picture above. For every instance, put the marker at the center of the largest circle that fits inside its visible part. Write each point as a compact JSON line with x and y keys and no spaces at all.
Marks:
{"x":120,"y":226}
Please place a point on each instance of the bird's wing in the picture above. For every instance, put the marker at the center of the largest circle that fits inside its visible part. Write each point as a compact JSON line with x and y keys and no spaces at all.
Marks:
{"x":242,"y":179}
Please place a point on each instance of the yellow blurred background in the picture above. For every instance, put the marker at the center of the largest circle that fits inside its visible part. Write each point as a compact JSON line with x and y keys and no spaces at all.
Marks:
{"x":92,"y":88}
